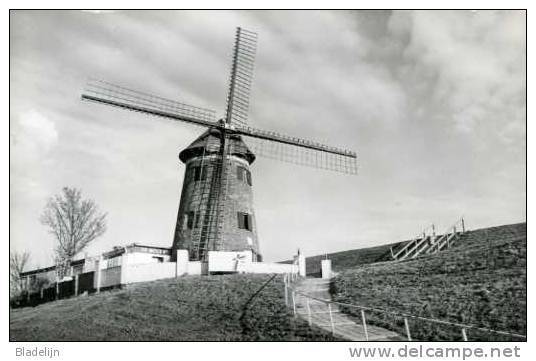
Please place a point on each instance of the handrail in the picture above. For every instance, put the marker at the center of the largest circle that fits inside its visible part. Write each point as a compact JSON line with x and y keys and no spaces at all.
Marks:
{"x":407,"y":315}
{"x":416,"y":245}
{"x":450,"y":232}
{"x":424,"y":234}
{"x":395,"y":256}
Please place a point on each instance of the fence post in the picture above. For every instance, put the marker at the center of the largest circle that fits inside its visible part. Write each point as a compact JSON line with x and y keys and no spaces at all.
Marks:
{"x":463,"y":226}
{"x":309,"y":312}
{"x":285,"y":281}
{"x":76,"y":285}
{"x":41,"y":292}
{"x":406,"y":324}
{"x":331,"y":320}
{"x":464,"y":334}
{"x":57,"y":289}
{"x":364,"y":324}
{"x":294,"y":303}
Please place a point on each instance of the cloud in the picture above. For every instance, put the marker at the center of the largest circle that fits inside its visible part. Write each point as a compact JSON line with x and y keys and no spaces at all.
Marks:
{"x":33,"y":136}
{"x":476,"y":66}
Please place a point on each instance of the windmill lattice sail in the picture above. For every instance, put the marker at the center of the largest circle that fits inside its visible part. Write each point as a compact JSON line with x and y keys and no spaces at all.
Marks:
{"x":104,"y":92}
{"x":241,"y":77}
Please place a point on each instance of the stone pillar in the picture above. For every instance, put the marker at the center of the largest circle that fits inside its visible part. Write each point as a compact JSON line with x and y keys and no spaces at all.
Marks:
{"x":98,"y":273}
{"x":301,"y":265}
{"x":76,"y":285}
{"x":326,"y":268}
{"x":124,"y":269}
{"x":181,"y":265}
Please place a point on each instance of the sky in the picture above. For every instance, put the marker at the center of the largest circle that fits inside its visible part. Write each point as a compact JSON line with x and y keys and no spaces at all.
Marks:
{"x":433,"y":102}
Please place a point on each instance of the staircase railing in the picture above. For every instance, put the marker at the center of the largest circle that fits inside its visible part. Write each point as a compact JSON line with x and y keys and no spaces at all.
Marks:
{"x":427,"y":242}
{"x":451,"y":234}
{"x":413,"y":245}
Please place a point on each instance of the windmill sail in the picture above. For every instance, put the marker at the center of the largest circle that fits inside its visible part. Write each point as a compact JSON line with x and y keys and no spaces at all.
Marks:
{"x":241,"y":77}
{"x":299,"y":151}
{"x":103,"y":92}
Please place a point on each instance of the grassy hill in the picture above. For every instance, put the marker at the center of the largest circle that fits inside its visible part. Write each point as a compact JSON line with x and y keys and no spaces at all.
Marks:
{"x":481,"y":280}
{"x":191,"y":308}
{"x":348,"y":259}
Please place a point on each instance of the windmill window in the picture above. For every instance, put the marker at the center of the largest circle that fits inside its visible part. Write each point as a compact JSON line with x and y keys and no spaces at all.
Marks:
{"x":188,"y":220}
{"x":248,"y":177}
{"x":200,"y":173}
{"x":197,"y":216}
{"x":245,"y":221}
{"x":243,"y":175}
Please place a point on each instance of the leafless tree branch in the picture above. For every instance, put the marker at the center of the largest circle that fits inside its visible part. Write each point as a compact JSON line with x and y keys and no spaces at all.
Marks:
{"x":17,"y":264}
{"x":73,"y":221}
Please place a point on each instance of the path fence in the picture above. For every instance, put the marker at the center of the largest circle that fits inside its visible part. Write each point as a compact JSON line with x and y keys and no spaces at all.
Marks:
{"x":401,"y":322}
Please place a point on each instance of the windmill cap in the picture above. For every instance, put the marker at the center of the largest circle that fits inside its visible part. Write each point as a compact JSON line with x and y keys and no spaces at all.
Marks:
{"x":210,"y":142}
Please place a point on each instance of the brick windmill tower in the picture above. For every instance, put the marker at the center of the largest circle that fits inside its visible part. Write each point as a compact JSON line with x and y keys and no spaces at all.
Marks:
{"x":216,"y":208}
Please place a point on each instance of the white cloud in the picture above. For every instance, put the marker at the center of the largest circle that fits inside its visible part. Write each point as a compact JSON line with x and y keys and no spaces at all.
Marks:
{"x":476,"y":59}
{"x":33,"y":135}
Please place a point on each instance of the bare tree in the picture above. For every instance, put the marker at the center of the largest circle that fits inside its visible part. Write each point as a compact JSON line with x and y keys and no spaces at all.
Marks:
{"x":17,"y":264}
{"x":74,"y":222}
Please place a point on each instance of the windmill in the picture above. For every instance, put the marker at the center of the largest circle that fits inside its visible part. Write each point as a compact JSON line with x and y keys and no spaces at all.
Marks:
{"x":216,"y":207}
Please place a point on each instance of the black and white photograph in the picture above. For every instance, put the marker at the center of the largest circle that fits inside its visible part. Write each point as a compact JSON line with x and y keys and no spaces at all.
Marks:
{"x":268,"y":175}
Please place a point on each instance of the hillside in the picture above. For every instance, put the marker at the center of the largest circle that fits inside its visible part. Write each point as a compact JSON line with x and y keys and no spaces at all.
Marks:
{"x":347,"y":259}
{"x":192,"y":308}
{"x":481,"y":280}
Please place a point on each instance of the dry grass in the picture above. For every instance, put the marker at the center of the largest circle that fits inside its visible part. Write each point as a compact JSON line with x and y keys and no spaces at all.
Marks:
{"x":192,"y":308}
{"x":480,"y":281}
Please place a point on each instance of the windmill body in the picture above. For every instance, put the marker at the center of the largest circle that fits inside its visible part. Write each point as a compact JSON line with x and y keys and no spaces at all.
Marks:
{"x":203,"y":223}
{"x":216,"y":207}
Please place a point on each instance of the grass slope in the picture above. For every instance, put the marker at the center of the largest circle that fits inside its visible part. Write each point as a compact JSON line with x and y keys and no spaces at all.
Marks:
{"x":192,"y":308}
{"x":481,"y":280}
{"x":347,"y":259}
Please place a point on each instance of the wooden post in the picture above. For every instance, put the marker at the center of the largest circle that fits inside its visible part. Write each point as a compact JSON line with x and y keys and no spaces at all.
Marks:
{"x":41,"y":292}
{"x":406,"y":324}
{"x":309,"y":312}
{"x":294,"y":303}
{"x":464,"y":334}
{"x":363,"y":319}
{"x":463,"y":226}
{"x":57,"y":289}
{"x":331,"y":319}
{"x":76,"y":285}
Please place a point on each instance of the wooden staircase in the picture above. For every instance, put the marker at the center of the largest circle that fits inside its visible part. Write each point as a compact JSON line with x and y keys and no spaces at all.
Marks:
{"x":427,"y":242}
